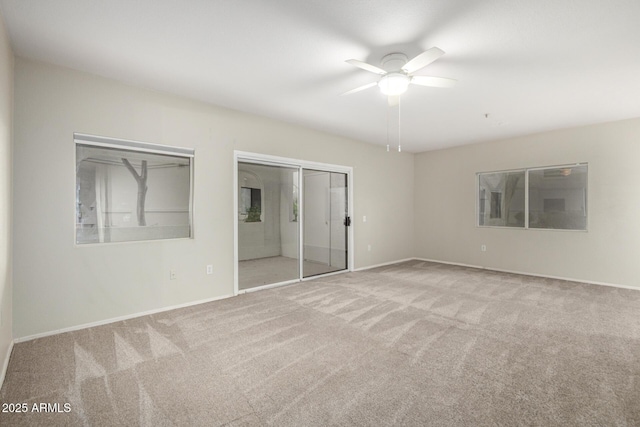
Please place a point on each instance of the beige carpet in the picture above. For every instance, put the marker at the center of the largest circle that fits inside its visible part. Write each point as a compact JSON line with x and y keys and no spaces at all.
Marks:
{"x":410,"y":344}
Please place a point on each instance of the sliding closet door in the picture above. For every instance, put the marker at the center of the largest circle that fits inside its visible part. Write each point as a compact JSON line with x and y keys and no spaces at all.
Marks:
{"x":338,"y":197}
{"x":268,"y":227}
{"x":325,"y":221}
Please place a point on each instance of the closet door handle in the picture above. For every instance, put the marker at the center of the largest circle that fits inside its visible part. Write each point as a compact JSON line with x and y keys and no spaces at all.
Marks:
{"x":347,"y":221}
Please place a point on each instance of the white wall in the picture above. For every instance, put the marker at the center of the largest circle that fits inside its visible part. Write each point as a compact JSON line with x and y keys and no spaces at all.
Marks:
{"x":60,"y":285}
{"x":445,"y":193}
{"x":6,"y":283}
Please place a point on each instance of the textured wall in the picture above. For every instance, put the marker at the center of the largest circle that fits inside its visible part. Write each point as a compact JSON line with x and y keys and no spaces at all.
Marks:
{"x":445,"y":191}
{"x":62,"y":286}
{"x":6,"y":108}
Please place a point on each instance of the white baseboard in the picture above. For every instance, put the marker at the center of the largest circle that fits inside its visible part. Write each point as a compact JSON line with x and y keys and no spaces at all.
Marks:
{"x":369,"y":267}
{"x":5,"y":364}
{"x":189,"y":304}
{"x":117,"y":319}
{"x":546,"y":276}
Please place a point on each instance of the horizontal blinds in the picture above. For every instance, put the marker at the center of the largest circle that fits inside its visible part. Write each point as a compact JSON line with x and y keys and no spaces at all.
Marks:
{"x":101,"y":141}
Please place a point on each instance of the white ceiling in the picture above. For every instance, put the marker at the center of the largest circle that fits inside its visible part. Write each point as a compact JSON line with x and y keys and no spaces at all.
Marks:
{"x":532,"y":65}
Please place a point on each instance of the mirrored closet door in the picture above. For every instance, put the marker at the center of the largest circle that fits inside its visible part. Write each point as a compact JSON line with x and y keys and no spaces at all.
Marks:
{"x":292,"y":221}
{"x":325,"y":222}
{"x":268,"y":231}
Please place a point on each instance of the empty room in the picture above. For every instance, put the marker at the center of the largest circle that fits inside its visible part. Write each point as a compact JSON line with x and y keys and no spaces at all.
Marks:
{"x":308,"y":213}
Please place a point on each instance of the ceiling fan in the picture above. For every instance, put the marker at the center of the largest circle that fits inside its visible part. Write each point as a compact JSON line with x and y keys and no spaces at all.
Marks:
{"x":397,"y":74}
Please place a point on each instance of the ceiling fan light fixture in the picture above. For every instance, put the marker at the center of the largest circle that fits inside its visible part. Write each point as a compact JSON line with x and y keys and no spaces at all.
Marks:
{"x":393,"y":84}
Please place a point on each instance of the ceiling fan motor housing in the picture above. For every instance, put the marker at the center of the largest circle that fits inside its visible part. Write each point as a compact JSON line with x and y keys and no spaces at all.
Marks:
{"x":394,"y":61}
{"x":396,"y":81}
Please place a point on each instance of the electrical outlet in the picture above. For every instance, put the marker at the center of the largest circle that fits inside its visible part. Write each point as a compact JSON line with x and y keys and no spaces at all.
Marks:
{"x":483,"y":248}
{"x":172,"y":275}
{"x":364,"y":218}
{"x":209,"y":269}
{"x":369,"y":248}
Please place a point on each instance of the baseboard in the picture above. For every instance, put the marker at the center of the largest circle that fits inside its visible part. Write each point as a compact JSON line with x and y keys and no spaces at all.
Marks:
{"x":545,"y":276}
{"x":5,"y":365}
{"x":369,"y":267}
{"x":116,"y":319}
{"x":189,"y":304}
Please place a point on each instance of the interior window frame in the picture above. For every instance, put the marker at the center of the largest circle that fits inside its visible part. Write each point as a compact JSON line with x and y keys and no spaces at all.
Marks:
{"x":139,"y":148}
{"x":487,"y":203}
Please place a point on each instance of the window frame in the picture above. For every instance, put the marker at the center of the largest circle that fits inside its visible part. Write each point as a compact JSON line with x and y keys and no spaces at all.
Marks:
{"x":136,"y":147}
{"x":252,"y":193}
{"x":526,"y":197}
{"x":477,"y":195}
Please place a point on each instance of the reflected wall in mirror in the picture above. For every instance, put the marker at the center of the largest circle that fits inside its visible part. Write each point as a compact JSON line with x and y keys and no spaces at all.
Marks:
{"x":123,"y":194}
{"x":558,"y":198}
{"x":501,"y":199}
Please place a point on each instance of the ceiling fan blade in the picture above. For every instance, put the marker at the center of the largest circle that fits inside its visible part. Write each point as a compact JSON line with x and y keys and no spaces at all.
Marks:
{"x":394,"y":100}
{"x":422,"y":60}
{"x":365,"y":66}
{"x":433,"y":81}
{"x":358,"y":89}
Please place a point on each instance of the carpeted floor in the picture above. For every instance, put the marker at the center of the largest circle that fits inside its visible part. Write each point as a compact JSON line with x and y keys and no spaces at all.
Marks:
{"x":409,"y":344}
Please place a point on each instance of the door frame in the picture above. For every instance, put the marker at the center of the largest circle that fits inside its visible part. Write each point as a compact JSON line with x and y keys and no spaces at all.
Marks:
{"x":269,"y":160}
